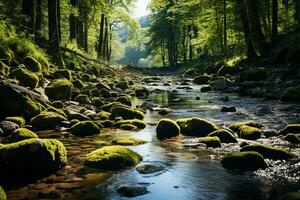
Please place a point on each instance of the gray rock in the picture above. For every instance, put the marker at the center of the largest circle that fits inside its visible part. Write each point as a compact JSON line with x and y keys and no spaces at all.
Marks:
{"x":132,"y":191}
{"x":8,"y":127}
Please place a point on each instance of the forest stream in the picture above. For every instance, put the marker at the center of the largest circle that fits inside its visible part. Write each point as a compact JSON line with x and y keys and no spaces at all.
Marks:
{"x":186,"y":169}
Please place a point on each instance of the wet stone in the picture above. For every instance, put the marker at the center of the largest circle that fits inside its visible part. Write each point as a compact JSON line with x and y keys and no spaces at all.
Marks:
{"x":132,"y":191}
{"x":149,"y":168}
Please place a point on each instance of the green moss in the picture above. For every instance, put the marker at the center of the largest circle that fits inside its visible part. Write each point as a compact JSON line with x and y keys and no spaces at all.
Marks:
{"x":126,"y":113}
{"x":22,"y":134}
{"x":25,"y":77}
{"x":63,"y":73}
{"x":254,"y":74}
{"x":224,"y":135}
{"x":291,"y":95}
{"x":128,"y":127}
{"x":197,"y":127}
{"x":102,"y":85}
{"x":74,"y":121}
{"x":60,"y":89}
{"x":47,"y":120}
{"x":124,"y":100}
{"x":200,"y":80}
{"x":244,"y":161}
{"x":85,"y":128}
{"x":290,"y":196}
{"x":128,"y":141}
{"x":237,"y":125}
{"x":33,"y":156}
{"x":6,"y":53}
{"x":123,"y":85}
{"x":82,"y":99}
{"x":32,"y":64}
{"x":103,"y":115}
{"x":292,"y":138}
{"x":268,"y":152}
{"x":58,"y":104}
{"x":110,"y":106}
{"x":78,"y":84}
{"x":56,"y":110}
{"x":3,"y":68}
{"x":211,"y":141}
{"x":250,"y":133}
{"x":2,"y":194}
{"x":112,"y":158}
{"x":18,"y":120}
{"x":291,"y":128}
{"x":135,"y":122}
{"x":167,"y":128}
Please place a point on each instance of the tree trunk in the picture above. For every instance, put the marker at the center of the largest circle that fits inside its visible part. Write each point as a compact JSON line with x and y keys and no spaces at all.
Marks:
{"x":39,"y":15}
{"x":28,"y":9}
{"x":73,"y":21}
{"x":101,"y":33}
{"x":274,"y":19}
{"x":105,"y":41}
{"x":297,"y":12}
{"x":190,"y":43}
{"x":225,"y":30}
{"x":54,"y":40}
{"x":86,"y":32}
{"x":58,"y":19}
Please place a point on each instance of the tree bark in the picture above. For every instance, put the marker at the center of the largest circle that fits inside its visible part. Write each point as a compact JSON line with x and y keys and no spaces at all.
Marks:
{"x":274,"y":19}
{"x":73,"y":21}
{"x":28,"y":9}
{"x":225,"y":30}
{"x":101,"y":35}
{"x":39,"y":16}
{"x":297,"y":11}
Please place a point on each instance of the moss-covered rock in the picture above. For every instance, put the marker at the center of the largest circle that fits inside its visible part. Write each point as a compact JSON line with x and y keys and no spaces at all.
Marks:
{"x":236,"y":126}
{"x":8,"y":127}
{"x":25,"y":77}
{"x":291,"y":128}
{"x":200,"y":80}
{"x":197,"y":127}
{"x":135,"y":122}
{"x":128,"y":141}
{"x":167,"y":128}
{"x":32,"y":156}
{"x":211,"y":141}
{"x":58,"y":104}
{"x":3,"y":68}
{"x":103,"y":115}
{"x":126,"y":113}
{"x":22,"y":134}
{"x":95,"y":93}
{"x":128,"y":127}
{"x":82,"y":99}
{"x":97,"y":101}
{"x":224,"y":135}
{"x":291,"y":95}
{"x":105,"y":93}
{"x":2,"y":194}
{"x":47,"y":120}
{"x":18,"y":120}
{"x":62,"y":73}
{"x":102,"y":85}
{"x":112,"y":158}
{"x":56,"y":110}
{"x":142,"y":92}
{"x":165,"y":111}
{"x":78,"y":84}
{"x":250,"y":133}
{"x":124,"y":100}
{"x":110,"y":106}
{"x":60,"y":89}
{"x":122,"y":85}
{"x":244,"y":161}
{"x":292,"y":138}
{"x":85,"y":128}
{"x":254,"y":74}
{"x":290,"y":196}
{"x":32,"y":64}
{"x":268,"y":152}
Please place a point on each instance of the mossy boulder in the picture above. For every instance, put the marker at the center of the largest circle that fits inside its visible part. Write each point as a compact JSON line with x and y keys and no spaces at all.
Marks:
{"x":128,"y":141}
{"x":142,"y":92}
{"x":254,"y":74}
{"x":97,"y":101}
{"x":236,"y":126}
{"x":85,"y":128}
{"x":62,"y":73}
{"x":244,"y":161}
{"x":83,"y":99}
{"x":47,"y":120}
{"x":58,"y":104}
{"x":135,"y":122}
{"x":292,"y":138}
{"x":124,"y":100}
{"x":250,"y":133}
{"x":112,"y":158}
{"x":3,"y":68}
{"x":102,"y":85}
{"x":291,"y":128}
{"x":201,"y":80}
{"x":165,"y":111}
{"x":95,"y":93}
{"x":32,"y":156}
{"x":105,"y":93}
{"x":56,"y":110}
{"x":126,"y":113}
{"x":32,"y":64}
{"x":22,"y":134}
{"x":78,"y":84}
{"x":123,"y":85}
{"x":224,"y":135}
{"x":268,"y":152}
{"x":128,"y":127}
{"x":197,"y":127}
{"x":25,"y":77}
{"x":103,"y":115}
{"x":213,"y":142}
{"x":2,"y":194}
{"x":290,"y":196}
{"x":60,"y":89}
{"x":291,"y":95}
{"x":18,"y":120}
{"x":167,"y":128}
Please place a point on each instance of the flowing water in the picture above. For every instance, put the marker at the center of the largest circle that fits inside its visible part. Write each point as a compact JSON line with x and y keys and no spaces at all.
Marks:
{"x":191,"y":172}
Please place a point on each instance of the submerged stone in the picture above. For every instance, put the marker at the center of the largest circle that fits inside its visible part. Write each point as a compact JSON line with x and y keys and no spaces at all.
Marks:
{"x":149,"y":168}
{"x":132,"y":191}
{"x":167,"y":128}
{"x":128,"y":141}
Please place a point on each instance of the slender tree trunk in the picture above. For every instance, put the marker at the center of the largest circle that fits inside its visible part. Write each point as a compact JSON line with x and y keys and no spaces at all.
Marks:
{"x":274,"y":19}
{"x":101,"y":33}
{"x":73,"y":21}
{"x":85,"y":31}
{"x":54,"y":40}
{"x":225,"y":30}
{"x":190,"y":43}
{"x":297,"y":11}
{"x":39,"y":15}
{"x":28,"y":9}
{"x":105,"y":41}
{"x":58,"y":19}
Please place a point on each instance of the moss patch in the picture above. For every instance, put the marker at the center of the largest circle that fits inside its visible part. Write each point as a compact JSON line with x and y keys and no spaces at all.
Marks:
{"x":60,"y":89}
{"x":167,"y":128}
{"x":250,"y":133}
{"x":47,"y":120}
{"x":103,"y":115}
{"x":2,"y":194}
{"x":211,"y":141}
{"x":22,"y":134}
{"x":18,"y":120}
{"x":237,"y":125}
{"x":85,"y":128}
{"x":244,"y":161}
{"x":78,"y":84}
{"x":291,"y":128}
{"x":126,"y":113}
{"x":268,"y":152}
{"x":33,"y":156}
{"x":225,"y":136}
{"x":32,"y":64}
{"x":112,"y":158}
{"x":25,"y":77}
{"x":124,"y":100}
{"x":82,"y":99}
{"x":135,"y":122}
{"x":197,"y":127}
{"x":128,"y":141}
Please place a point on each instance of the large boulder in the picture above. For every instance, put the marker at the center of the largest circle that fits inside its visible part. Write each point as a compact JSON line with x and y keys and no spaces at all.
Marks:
{"x":291,"y":128}
{"x":201,"y":80}
{"x":85,"y":128}
{"x":224,"y":135}
{"x":213,"y":142}
{"x":250,"y":133}
{"x":124,"y":100}
{"x":22,"y":134}
{"x":32,"y":64}
{"x":244,"y":161}
{"x":47,"y":120}
{"x":197,"y":127}
{"x":126,"y":113}
{"x":60,"y":89}
{"x":291,"y":95}
{"x":32,"y":156}
{"x":112,"y":158}
{"x":236,"y":126}
{"x":268,"y":152}
{"x":167,"y":128}
{"x":25,"y":77}
{"x":254,"y":74}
